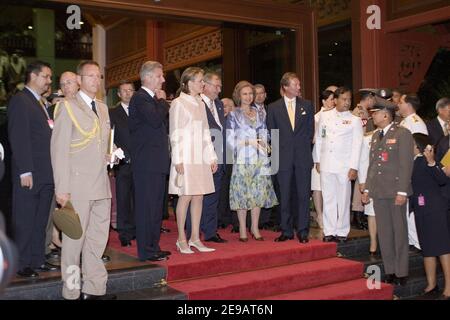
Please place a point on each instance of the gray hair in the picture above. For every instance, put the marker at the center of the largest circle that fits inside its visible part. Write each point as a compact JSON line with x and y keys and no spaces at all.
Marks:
{"x":442,"y":103}
{"x":210,"y":75}
{"x":260,"y":86}
{"x":149,"y":67}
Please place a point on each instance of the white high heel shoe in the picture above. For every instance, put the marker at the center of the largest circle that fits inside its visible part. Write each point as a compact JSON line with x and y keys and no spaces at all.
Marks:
{"x":181,"y":250}
{"x":200,"y":246}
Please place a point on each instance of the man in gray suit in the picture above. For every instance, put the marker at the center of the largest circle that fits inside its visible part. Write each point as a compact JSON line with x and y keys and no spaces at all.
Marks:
{"x":389,"y":184}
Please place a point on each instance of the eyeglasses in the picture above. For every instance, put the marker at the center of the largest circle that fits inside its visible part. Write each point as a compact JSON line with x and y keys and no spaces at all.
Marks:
{"x":66,"y":83}
{"x":218,"y":86}
{"x":127,"y":90}
{"x":92,"y":76}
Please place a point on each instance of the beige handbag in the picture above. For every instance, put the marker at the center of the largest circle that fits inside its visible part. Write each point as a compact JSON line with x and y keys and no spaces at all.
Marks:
{"x":179,"y":180}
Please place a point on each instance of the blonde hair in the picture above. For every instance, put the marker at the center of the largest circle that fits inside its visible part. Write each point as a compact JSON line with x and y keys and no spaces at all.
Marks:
{"x":286,"y":79}
{"x":188,"y":75}
{"x":237,"y":91}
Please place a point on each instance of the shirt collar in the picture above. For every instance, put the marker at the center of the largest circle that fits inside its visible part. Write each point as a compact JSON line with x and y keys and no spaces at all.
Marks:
{"x":37,"y":96}
{"x":385,"y":130}
{"x":86,"y":98}
{"x":442,"y":122}
{"x":286,"y":100}
{"x":150,"y":92}
{"x":206,"y":99}
{"x":125,"y":107}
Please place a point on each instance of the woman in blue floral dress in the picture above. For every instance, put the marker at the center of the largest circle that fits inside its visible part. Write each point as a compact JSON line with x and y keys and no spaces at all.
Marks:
{"x":251,"y":185}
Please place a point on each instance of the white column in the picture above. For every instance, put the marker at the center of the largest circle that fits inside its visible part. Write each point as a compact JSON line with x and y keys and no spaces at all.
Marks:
{"x":99,"y":52}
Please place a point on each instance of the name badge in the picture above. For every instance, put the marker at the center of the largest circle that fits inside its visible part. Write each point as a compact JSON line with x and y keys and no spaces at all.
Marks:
{"x":384,"y":156}
{"x":50,"y":123}
{"x":324,"y":132}
{"x":391,"y":141}
{"x":364,"y":122}
{"x":421,"y":201}
{"x":347,"y":122}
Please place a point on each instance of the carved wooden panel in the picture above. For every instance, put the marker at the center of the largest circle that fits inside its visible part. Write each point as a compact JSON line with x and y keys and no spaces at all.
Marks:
{"x":126,"y":37}
{"x":199,"y":46}
{"x":411,"y":54}
{"x":403,"y":8}
{"x":331,"y":11}
{"x":127,"y":69}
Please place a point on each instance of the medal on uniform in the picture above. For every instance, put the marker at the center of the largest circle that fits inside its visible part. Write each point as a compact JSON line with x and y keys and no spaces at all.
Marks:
{"x":384,"y":156}
{"x":421,"y":200}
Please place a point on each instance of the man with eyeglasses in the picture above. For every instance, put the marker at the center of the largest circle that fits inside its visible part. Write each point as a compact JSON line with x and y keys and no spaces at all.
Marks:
{"x":29,"y":130}
{"x":79,"y":152}
{"x":124,"y":178}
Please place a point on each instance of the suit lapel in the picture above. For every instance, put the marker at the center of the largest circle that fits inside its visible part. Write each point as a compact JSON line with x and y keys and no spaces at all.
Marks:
{"x":298,"y":113}
{"x":35,"y":102}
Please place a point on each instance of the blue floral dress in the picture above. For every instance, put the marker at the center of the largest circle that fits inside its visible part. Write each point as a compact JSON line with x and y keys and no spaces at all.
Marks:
{"x":251,"y":184}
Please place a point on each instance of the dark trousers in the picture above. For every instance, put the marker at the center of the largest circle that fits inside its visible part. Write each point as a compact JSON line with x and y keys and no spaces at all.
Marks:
{"x":224,"y":211}
{"x":208,"y":222}
{"x":31,"y":209}
{"x":149,"y":191}
{"x":299,"y":215}
{"x":125,"y":202}
{"x":392,"y":231}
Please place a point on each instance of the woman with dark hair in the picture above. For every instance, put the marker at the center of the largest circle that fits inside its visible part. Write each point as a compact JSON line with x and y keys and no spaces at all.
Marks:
{"x":193,"y":158}
{"x":431,"y":213}
{"x":327,"y":98}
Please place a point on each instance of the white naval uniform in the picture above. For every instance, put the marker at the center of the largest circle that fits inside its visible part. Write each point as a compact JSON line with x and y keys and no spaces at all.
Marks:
{"x":364,"y":167}
{"x":414,"y":124}
{"x":315,"y":176}
{"x":339,"y":138}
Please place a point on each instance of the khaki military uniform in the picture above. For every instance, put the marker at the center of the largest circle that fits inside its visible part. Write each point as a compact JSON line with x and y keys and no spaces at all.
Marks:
{"x":389,"y":174}
{"x":78,"y":150}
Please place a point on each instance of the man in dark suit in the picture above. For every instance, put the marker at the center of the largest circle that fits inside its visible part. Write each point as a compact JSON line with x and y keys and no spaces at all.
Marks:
{"x":293,"y":117}
{"x":439,"y":126}
{"x":216,"y":121}
{"x":124,"y":178}
{"x":389,"y":185}
{"x":149,"y":151}
{"x":30,"y":130}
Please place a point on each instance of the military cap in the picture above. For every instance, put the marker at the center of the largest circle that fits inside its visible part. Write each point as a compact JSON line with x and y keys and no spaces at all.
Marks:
{"x":383,"y":104}
{"x":384,"y":93}
{"x":68,"y":221}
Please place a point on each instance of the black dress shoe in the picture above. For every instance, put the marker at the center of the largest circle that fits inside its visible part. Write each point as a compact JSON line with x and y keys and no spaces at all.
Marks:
{"x":46,"y":267}
{"x":413,"y":249}
{"x":283,"y":238}
{"x":85,"y":296}
{"x":328,"y":239}
{"x":431,"y":293}
{"x":303,"y":237}
{"x":158,"y":257}
{"x":400,"y":281}
{"x":216,"y":239}
{"x":341,"y":239}
{"x":106,"y":258}
{"x":164,"y":253}
{"x":164,"y":230}
{"x":27,"y":273}
{"x":125,"y":243}
{"x":389,"y":278}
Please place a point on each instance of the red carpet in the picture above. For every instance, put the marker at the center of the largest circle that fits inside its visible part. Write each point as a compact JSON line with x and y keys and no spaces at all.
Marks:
{"x":262,"y":270}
